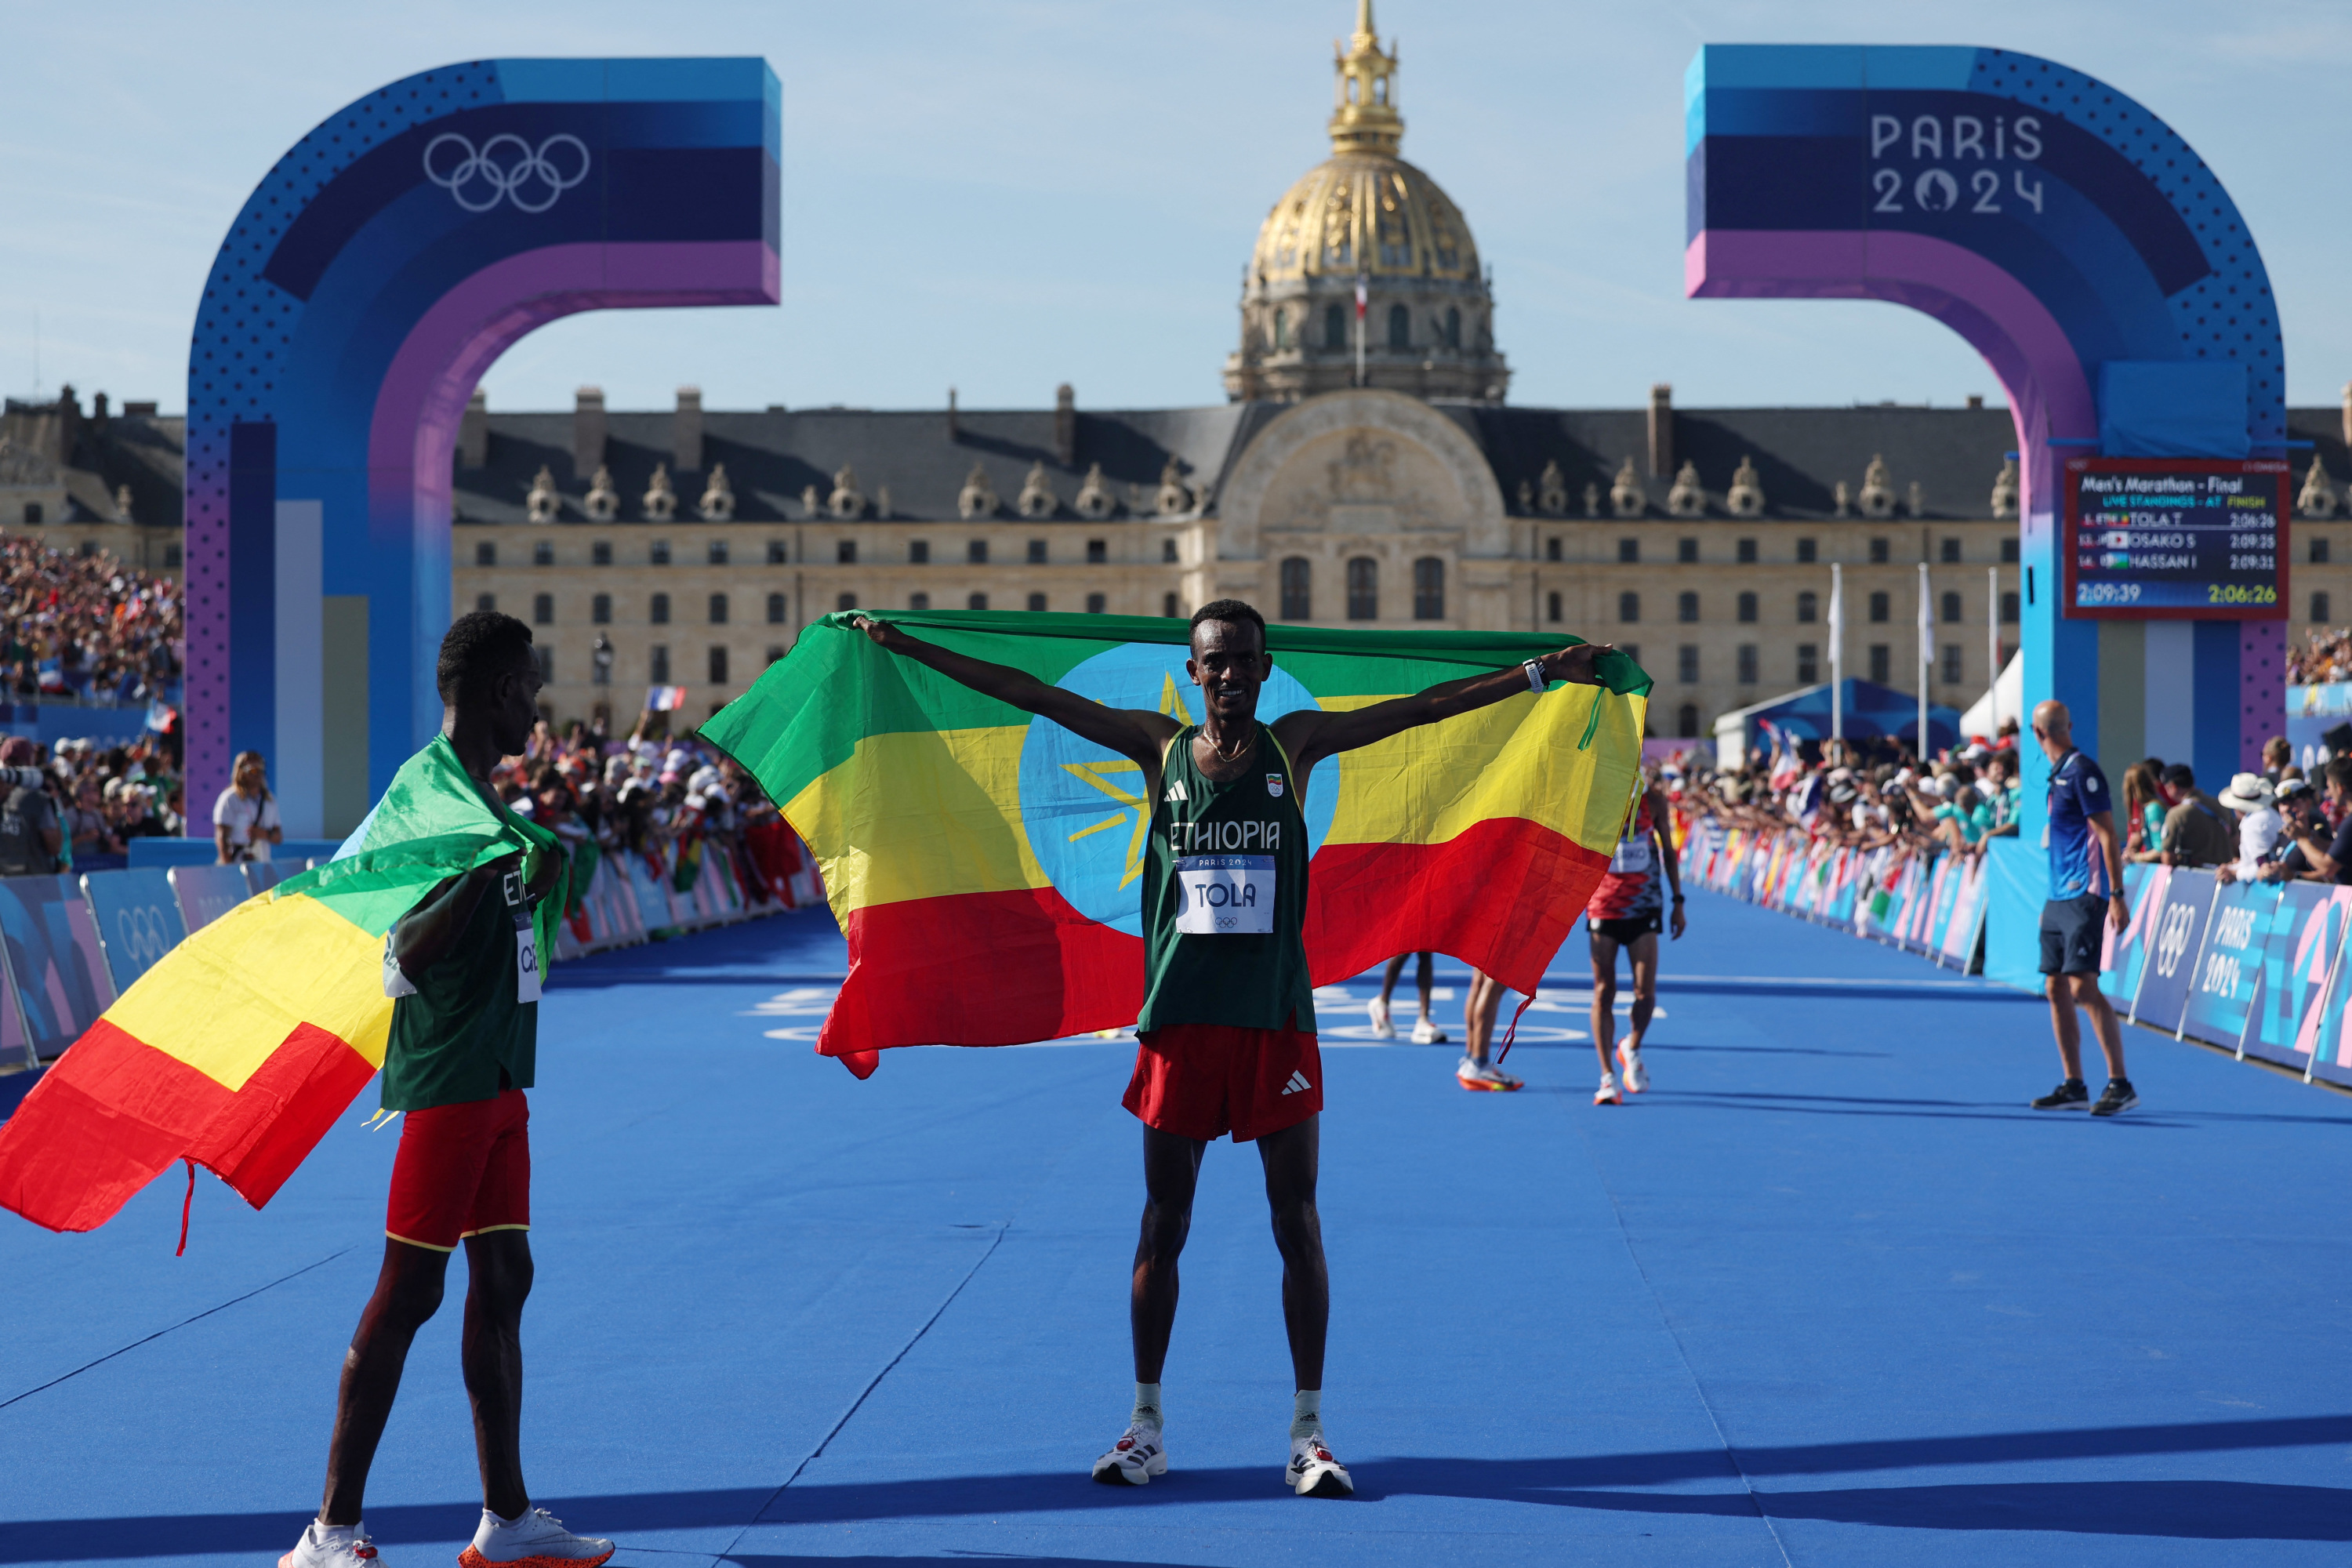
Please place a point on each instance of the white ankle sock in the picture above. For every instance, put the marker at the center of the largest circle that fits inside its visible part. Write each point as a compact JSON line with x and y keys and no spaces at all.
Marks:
{"x":1147,"y":1406}
{"x":1305,"y":1413}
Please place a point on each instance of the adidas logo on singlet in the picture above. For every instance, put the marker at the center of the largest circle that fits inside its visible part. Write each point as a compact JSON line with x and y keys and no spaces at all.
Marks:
{"x":1176,"y":790}
{"x":1297,"y":1083}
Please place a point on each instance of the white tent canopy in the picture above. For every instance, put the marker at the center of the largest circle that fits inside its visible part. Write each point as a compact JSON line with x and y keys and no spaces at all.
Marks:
{"x":2005,"y":701}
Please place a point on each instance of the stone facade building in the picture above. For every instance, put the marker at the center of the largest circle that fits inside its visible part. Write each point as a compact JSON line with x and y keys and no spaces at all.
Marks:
{"x":1365,"y":470}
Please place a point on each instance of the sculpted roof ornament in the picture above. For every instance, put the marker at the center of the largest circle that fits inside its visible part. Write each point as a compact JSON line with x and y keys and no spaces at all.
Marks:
{"x":1745,"y":496}
{"x":661,"y":498}
{"x":1095,"y":500}
{"x":1037,"y":498}
{"x":544,"y":502}
{"x":2317,"y":498}
{"x":603,"y":502}
{"x":1688,"y":496}
{"x":1174,"y":497}
{"x":1878,"y":489}
{"x":718,"y":504}
{"x":2004,"y":489}
{"x":1625,"y":494}
{"x":847,"y":500}
{"x":1551,"y":490}
{"x":978,"y":497}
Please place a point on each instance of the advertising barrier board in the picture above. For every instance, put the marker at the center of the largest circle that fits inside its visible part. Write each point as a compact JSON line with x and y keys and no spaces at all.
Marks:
{"x":137,"y":918}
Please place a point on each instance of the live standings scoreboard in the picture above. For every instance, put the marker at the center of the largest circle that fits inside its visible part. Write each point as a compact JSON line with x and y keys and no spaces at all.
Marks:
{"x":2176,"y":539}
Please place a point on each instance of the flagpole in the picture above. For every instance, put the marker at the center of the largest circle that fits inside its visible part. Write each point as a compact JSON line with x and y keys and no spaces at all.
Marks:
{"x":1926,"y":658}
{"x":1363,"y":290}
{"x":1992,"y":641}
{"x":1837,"y":656}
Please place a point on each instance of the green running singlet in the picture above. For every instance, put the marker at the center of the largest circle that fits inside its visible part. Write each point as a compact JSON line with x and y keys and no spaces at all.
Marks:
{"x":1225,"y":895}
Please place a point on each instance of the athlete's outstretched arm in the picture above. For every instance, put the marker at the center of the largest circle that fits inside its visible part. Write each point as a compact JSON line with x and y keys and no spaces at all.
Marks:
{"x":1310,"y":736}
{"x":1131,"y":733}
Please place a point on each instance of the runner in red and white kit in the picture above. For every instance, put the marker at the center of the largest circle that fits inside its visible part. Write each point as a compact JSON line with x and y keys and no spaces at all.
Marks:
{"x":1627,"y":911}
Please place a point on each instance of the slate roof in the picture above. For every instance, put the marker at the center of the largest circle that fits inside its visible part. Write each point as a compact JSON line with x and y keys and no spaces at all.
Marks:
{"x":93,"y":457}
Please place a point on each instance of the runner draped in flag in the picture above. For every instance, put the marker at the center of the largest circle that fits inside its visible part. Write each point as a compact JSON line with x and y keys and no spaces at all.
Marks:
{"x":1226,"y":1033}
{"x":1627,"y":912}
{"x":463,"y":964}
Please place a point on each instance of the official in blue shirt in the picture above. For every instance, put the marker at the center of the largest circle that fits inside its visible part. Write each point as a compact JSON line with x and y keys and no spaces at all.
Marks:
{"x":2086,"y":894}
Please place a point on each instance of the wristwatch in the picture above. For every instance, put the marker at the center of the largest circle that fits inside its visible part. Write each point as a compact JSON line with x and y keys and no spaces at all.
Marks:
{"x":1536,"y":680}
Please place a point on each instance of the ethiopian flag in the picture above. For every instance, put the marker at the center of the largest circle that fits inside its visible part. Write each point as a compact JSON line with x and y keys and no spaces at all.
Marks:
{"x":239,"y":1048}
{"x":984,"y":864}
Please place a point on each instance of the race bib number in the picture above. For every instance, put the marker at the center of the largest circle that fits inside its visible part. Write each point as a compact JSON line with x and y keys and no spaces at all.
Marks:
{"x":1225,"y":895}
{"x":397,"y":984}
{"x":1633,"y":855}
{"x":526,"y":943}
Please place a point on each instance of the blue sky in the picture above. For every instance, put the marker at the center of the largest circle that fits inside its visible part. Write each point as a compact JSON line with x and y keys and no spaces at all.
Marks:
{"x":1000,"y":196}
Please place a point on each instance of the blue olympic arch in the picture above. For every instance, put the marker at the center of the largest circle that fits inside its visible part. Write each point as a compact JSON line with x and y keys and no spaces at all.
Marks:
{"x":368,"y":282}
{"x":2082,"y":247}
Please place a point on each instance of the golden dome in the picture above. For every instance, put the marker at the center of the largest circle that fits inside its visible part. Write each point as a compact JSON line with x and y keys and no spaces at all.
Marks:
{"x":1364,"y":210}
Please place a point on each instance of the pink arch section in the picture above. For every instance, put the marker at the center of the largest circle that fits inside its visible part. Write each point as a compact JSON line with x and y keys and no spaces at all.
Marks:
{"x":2049,"y":393}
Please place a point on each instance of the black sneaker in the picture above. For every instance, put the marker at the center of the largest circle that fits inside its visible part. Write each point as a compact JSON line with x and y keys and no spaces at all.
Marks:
{"x":2118,"y":1098}
{"x":2071,"y":1095}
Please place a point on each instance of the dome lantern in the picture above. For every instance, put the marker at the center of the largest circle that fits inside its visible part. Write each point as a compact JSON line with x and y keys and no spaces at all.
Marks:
{"x":1364,"y":117}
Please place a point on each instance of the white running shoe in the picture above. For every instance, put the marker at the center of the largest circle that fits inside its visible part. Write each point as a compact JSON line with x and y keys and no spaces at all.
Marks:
{"x":1382,"y":1029}
{"x":1313,"y":1472}
{"x":1427,"y":1034}
{"x":1637,"y":1077}
{"x":537,"y":1539}
{"x":1484,"y":1076}
{"x":1607,"y":1093}
{"x":332,"y":1546}
{"x":1134,"y":1459}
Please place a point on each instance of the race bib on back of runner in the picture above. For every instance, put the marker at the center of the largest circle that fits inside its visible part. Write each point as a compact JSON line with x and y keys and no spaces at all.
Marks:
{"x":1225,"y":895}
{"x":396,"y":983}
{"x":526,"y":943}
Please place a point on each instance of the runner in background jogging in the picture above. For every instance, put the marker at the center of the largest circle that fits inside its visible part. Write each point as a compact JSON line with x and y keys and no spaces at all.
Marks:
{"x":1628,"y":909}
{"x":1424,"y":1033}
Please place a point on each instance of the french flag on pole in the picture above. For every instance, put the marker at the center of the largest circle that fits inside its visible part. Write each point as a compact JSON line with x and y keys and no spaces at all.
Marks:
{"x":665,"y":699}
{"x":1363,"y":294}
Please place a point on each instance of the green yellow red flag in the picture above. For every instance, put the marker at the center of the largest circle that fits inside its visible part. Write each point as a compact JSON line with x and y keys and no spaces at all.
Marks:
{"x":984,"y":865}
{"x":242,"y":1045}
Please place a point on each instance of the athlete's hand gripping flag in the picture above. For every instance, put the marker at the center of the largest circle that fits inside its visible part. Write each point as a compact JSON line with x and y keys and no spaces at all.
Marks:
{"x":239,"y":1048}
{"x":983,"y":864}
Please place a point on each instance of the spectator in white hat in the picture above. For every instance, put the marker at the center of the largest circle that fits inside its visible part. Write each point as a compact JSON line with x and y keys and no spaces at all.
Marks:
{"x":2259,"y":822}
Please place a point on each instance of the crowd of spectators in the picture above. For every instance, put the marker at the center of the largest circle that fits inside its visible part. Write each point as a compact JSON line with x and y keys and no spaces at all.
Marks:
{"x":2324,"y":655}
{"x":86,"y":628}
{"x":79,"y":805}
{"x":1858,"y":800}
{"x":670,"y":801}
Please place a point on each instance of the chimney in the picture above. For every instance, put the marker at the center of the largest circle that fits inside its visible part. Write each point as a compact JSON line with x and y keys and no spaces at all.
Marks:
{"x":1976,"y":400}
{"x":473,"y":431}
{"x":1662,"y":430}
{"x":953,"y":432}
{"x":1066,"y":426}
{"x":685,"y":432}
{"x":588,"y":431}
{"x":98,"y":410}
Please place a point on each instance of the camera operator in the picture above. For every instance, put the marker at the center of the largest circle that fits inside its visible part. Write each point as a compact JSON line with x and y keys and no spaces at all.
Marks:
{"x":30,"y":834}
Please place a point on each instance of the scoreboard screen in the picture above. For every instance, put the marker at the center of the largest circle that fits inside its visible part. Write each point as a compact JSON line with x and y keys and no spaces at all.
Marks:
{"x":2174,"y":539}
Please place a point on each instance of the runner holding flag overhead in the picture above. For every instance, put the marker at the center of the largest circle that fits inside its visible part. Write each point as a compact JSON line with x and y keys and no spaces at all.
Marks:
{"x":1226,"y":1030}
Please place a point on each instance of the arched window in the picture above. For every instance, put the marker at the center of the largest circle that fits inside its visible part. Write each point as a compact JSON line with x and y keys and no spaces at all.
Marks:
{"x":1363,"y":589}
{"x":1429,"y":589}
{"x":1552,"y":608}
{"x":1951,"y":609}
{"x":1335,"y":325}
{"x":1686,"y":606}
{"x":919,"y":601}
{"x":659,"y":612}
{"x":600,"y":609}
{"x":1747,"y":606}
{"x":1169,"y":608}
{"x":718,"y":609}
{"x":1281,"y":329}
{"x":1629,"y":609}
{"x":775,"y":609}
{"x":976,"y":602}
{"x":1452,"y":326}
{"x":1808,"y":608}
{"x":1686,"y":721}
{"x":542,"y":609}
{"x":1298,"y":604}
{"x":1400,"y":327}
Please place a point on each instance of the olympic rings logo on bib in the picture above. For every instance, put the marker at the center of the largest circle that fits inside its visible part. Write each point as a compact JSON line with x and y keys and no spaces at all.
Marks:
{"x":508,"y":168}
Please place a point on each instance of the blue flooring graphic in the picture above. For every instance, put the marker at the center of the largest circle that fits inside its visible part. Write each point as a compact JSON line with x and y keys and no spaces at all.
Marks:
{"x":1829,"y":1294}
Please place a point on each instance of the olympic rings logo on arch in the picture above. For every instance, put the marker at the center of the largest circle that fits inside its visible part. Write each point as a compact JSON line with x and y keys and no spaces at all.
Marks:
{"x":508,"y":168}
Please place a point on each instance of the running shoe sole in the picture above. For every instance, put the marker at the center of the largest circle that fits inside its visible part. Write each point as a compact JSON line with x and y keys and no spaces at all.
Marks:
{"x":470,"y":1558}
{"x":1109,"y":1473}
{"x":1329,"y":1484}
{"x":1606,"y":1100}
{"x":1636,"y":1082}
{"x":1480,"y":1086}
{"x":2117,"y":1108}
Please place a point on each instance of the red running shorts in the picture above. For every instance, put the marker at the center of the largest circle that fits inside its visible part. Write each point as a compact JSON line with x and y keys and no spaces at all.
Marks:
{"x":1203,"y":1080}
{"x":461,"y":1170}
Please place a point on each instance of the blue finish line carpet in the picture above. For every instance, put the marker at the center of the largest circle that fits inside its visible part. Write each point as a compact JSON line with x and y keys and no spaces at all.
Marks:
{"x":1828,"y":1294}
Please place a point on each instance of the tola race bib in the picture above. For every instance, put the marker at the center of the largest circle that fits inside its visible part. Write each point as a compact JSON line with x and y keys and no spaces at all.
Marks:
{"x":1225,"y":895}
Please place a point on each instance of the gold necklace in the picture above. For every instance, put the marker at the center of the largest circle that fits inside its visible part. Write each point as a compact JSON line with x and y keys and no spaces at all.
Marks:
{"x":1234,"y":755}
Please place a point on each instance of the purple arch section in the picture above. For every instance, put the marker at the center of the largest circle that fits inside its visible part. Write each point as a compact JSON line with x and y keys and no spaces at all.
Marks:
{"x":374,"y":275}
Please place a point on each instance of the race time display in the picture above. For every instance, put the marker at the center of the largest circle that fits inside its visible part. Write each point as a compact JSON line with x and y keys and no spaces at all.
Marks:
{"x":2174,"y":539}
